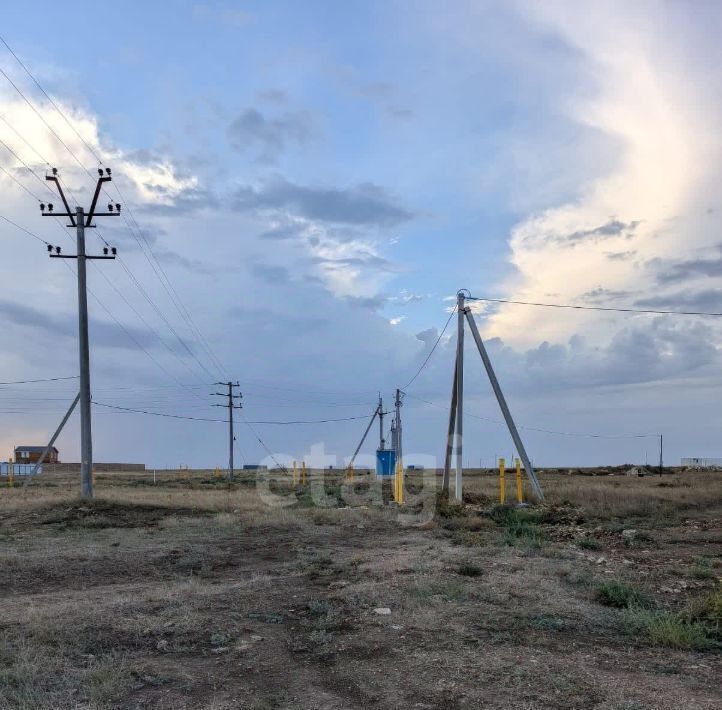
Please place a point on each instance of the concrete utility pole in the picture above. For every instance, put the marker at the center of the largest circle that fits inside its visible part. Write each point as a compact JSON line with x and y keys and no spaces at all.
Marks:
{"x":397,"y":426}
{"x":382,"y":441}
{"x":661,"y":448}
{"x":231,"y":406}
{"x":458,"y":484}
{"x":80,"y":221}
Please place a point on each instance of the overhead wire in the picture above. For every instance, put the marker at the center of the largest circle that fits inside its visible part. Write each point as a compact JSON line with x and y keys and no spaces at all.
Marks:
{"x":185,"y":315}
{"x":594,"y":308}
{"x":431,"y":352}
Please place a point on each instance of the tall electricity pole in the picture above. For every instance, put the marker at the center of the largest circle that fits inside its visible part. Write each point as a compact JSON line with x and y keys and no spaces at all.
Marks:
{"x":397,"y":425}
{"x":230,"y":406}
{"x":81,"y":222}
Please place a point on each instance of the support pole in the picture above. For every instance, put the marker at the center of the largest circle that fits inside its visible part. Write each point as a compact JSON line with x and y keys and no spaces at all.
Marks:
{"x":363,"y":438}
{"x":458,"y":486}
{"x":661,"y":449}
{"x":86,"y":438}
{"x":504,"y":408}
{"x":450,"y":435}
{"x":53,"y":438}
{"x":382,"y":441}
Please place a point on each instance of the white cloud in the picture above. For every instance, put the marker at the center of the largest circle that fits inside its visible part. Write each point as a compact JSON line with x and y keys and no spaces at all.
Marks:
{"x":648,"y":95}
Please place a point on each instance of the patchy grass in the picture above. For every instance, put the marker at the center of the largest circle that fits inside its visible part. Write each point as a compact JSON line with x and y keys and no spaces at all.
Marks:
{"x":589,"y":543}
{"x":702,"y":569}
{"x":619,"y":594}
{"x":469,"y":569}
{"x":666,"y":628}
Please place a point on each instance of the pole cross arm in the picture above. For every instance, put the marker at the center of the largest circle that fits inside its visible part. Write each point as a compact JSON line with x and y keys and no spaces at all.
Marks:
{"x":53,"y":178}
{"x":98,"y":187}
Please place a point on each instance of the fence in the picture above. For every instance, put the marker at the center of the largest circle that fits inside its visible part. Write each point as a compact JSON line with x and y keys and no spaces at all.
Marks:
{"x":19,"y":469}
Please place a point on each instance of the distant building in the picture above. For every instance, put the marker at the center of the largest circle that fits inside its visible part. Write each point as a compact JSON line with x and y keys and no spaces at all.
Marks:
{"x":255,"y":467}
{"x":32,"y":454}
{"x":701,"y":463}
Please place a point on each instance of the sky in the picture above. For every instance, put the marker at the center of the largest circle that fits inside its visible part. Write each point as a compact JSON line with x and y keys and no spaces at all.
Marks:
{"x":305,"y":188}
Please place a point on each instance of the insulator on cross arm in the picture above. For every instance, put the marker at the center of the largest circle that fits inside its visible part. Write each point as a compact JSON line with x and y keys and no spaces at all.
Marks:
{"x":42,"y":207}
{"x":57,"y":250}
{"x":113,"y":251}
{"x":50,"y":247}
{"x":100,"y":172}
{"x":50,"y":206}
{"x":105,"y":251}
{"x":117,"y":207}
{"x":107,"y":171}
{"x":110,"y":207}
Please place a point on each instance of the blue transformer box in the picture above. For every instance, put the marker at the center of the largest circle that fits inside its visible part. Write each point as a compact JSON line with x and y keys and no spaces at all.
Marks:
{"x":385,"y":463}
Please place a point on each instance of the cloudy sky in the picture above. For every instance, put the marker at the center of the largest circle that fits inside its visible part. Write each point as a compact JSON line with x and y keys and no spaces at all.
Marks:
{"x":307,"y":185}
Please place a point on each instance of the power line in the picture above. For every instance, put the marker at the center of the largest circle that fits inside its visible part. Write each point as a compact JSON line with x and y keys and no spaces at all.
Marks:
{"x":428,"y":357}
{"x":47,"y":379}
{"x":594,"y":308}
{"x":544,"y":431}
{"x":182,"y":309}
{"x":224,"y":421}
{"x":45,"y":93}
{"x":22,"y":229}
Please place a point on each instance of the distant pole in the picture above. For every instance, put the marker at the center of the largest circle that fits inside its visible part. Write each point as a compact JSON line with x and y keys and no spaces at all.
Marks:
{"x":231,"y":406}
{"x":458,"y":487}
{"x":382,"y":441}
{"x":661,"y":449}
{"x":80,"y":221}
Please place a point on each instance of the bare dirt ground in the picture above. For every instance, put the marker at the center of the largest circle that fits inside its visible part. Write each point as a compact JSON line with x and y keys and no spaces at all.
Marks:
{"x":193,"y":594}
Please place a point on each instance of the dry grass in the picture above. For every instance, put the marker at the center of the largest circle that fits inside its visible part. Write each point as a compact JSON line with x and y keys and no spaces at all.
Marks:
{"x":191,"y":593}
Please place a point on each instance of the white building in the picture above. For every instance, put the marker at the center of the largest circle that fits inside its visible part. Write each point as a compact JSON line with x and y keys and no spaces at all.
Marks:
{"x":701,"y":463}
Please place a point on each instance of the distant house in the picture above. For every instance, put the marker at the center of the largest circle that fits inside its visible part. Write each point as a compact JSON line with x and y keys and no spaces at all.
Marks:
{"x":32,"y":454}
{"x":702,"y":463}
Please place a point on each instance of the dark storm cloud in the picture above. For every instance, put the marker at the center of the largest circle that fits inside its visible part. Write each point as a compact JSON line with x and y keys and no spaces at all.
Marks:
{"x":103,"y":333}
{"x":600,"y":295}
{"x":705,"y":300}
{"x":621,"y":255}
{"x":613,"y":228}
{"x":253,"y":131}
{"x":689,"y":269}
{"x":365,"y":204}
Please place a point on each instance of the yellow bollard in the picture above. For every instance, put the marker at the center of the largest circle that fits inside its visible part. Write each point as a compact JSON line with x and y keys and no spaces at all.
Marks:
{"x":217,"y":472}
{"x":519,"y":488}
{"x":350,"y":473}
{"x":502,"y":483}
{"x":294,"y":475}
{"x":304,"y":475}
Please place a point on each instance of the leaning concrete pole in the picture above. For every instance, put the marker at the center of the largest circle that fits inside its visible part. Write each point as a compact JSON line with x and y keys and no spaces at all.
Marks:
{"x":504,"y":408}
{"x":458,"y":487}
